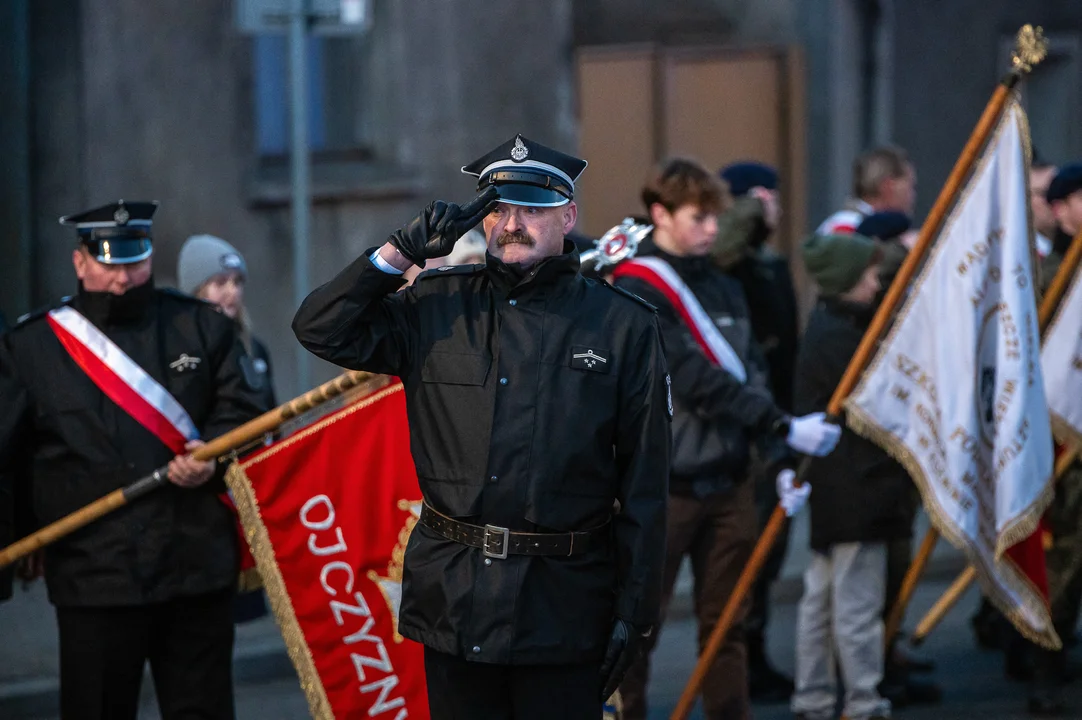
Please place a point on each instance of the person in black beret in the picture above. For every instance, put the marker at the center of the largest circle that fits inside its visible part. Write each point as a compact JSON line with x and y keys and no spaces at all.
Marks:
{"x":1064,"y":197}
{"x":742,"y":251}
{"x":744,"y":177}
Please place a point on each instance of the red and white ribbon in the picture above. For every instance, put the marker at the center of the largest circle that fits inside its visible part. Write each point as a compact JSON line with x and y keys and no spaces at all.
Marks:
{"x":660,"y":275}
{"x":122,"y":380}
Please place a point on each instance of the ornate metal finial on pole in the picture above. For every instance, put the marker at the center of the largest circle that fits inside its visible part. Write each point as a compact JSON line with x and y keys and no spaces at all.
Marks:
{"x":1030,"y":48}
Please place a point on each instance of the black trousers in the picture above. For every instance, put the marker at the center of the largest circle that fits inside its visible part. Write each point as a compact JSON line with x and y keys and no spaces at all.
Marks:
{"x":188,"y":642}
{"x":462,"y":690}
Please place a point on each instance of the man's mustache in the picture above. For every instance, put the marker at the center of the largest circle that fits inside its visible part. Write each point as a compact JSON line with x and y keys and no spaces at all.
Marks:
{"x":515,"y":238}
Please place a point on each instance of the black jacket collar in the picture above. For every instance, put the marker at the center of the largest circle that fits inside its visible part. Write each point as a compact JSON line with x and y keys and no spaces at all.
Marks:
{"x":859,"y":314}
{"x":687,"y":267}
{"x":106,"y":309}
{"x":512,"y":276}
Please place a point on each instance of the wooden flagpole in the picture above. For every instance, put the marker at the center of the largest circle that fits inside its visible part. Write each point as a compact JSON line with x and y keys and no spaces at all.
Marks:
{"x":1023,"y":61}
{"x":219,"y":447}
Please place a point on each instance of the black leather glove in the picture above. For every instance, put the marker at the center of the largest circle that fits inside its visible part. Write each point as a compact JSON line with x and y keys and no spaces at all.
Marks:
{"x":625,"y":646}
{"x":434,"y":232}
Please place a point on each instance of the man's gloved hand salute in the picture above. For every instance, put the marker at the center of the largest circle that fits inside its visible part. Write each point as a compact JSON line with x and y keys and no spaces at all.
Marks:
{"x":435,"y":230}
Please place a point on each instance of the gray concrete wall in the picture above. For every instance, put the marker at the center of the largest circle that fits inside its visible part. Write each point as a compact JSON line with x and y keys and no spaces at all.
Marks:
{"x":947,"y":65}
{"x":137,"y":99}
{"x":15,"y":153}
{"x":604,"y":22}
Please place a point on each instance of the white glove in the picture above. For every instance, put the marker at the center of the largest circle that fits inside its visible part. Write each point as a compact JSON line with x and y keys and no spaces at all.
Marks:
{"x":813,"y":435}
{"x":792,"y":498}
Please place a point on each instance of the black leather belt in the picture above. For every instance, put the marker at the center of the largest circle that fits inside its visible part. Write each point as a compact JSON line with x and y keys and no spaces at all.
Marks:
{"x":499,"y":542}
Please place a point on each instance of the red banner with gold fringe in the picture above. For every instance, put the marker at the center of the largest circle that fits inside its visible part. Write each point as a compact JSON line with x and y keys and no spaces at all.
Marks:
{"x":328,"y":512}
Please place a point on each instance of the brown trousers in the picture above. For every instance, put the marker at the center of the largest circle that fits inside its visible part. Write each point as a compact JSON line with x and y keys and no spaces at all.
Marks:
{"x":718,"y":533}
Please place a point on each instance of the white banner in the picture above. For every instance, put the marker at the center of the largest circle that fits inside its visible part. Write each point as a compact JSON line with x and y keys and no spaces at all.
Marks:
{"x":955,"y":391}
{"x":1061,"y":364}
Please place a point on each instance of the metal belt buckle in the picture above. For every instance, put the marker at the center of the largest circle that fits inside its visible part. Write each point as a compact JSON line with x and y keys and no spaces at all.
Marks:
{"x":505,"y":539}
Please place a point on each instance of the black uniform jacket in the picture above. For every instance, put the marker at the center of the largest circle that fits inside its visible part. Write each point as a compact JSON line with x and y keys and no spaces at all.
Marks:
{"x":63,"y":442}
{"x":536,"y":400}
{"x":717,"y":416}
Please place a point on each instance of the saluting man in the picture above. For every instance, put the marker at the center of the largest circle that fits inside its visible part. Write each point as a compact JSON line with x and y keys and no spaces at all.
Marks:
{"x":98,"y":391}
{"x":539,"y":413}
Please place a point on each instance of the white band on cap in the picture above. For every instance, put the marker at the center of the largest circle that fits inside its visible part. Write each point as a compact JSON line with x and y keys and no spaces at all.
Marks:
{"x":108,"y":259}
{"x":561,"y":201}
{"x":512,"y":165}
{"x":112,"y":223}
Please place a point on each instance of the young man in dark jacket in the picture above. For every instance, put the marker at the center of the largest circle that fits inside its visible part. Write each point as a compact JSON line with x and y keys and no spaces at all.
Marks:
{"x":861,"y":499}
{"x":721,"y":406}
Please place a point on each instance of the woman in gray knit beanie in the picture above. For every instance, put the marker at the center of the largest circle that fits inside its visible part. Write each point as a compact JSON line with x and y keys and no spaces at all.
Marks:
{"x":211,"y":269}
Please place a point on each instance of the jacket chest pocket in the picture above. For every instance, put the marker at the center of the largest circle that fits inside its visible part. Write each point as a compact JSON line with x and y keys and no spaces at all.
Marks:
{"x":452,"y":389}
{"x":450,"y":368}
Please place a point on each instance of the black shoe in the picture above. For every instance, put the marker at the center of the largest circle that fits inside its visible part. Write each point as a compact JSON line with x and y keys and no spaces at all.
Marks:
{"x":767,"y":685}
{"x":908,"y":662}
{"x":987,"y":634}
{"x":923,"y":692}
{"x":1018,"y":667}
{"x":911,"y":692}
{"x":988,"y":627}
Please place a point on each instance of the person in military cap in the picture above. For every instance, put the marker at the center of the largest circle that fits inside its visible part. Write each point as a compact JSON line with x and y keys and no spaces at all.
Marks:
{"x":1064,"y":516}
{"x":1064,"y":197}
{"x":540,"y":429}
{"x":98,"y":391}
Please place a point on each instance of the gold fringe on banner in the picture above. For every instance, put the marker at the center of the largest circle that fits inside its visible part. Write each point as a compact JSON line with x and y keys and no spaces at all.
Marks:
{"x":1016,"y":580}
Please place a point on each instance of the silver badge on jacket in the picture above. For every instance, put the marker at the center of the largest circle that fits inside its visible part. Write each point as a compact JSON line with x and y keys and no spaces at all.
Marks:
{"x":185,"y":362}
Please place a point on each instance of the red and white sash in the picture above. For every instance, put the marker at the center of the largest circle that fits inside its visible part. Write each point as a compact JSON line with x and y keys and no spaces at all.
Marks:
{"x":134,"y":391}
{"x":122,"y":380}
{"x":660,"y":275}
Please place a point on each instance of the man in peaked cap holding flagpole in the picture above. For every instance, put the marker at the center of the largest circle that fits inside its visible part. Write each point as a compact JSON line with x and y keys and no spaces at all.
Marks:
{"x":102,"y":389}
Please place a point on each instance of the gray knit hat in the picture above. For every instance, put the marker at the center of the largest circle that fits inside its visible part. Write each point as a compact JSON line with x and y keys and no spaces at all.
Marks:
{"x":204,"y":256}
